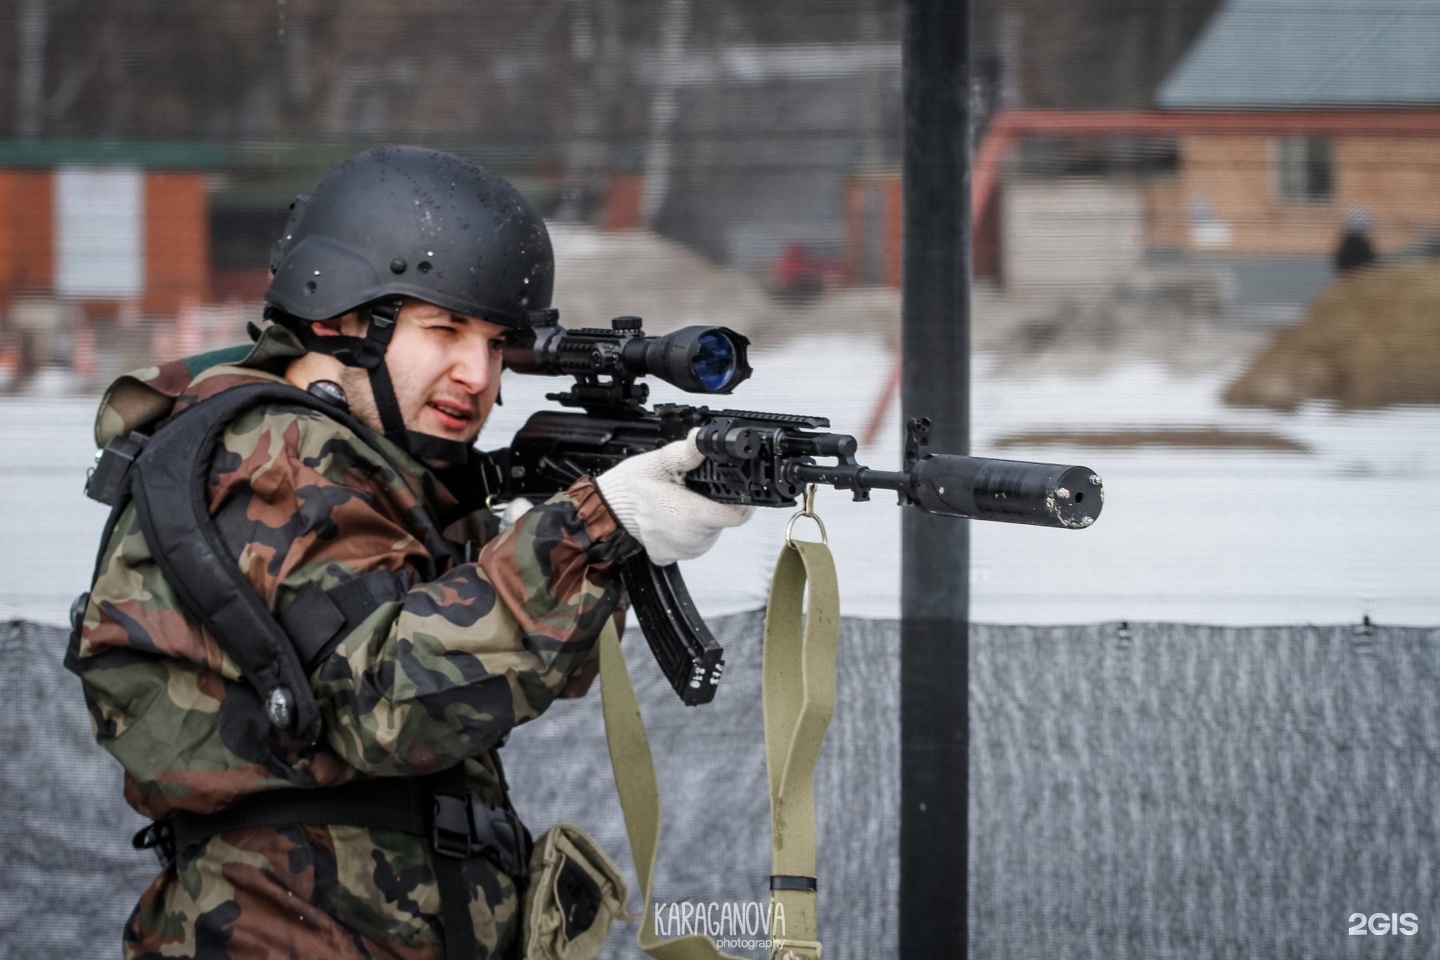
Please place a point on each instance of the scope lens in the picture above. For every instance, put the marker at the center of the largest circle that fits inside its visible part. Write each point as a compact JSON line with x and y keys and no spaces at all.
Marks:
{"x":714,"y":362}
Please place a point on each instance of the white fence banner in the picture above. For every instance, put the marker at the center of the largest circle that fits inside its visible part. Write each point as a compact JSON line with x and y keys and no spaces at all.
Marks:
{"x":99,"y":231}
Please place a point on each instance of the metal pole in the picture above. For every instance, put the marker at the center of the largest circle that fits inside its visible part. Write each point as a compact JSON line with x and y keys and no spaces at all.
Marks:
{"x":935,"y":570}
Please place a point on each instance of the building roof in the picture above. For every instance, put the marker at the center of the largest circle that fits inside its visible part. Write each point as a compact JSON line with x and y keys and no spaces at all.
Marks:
{"x":1286,"y":54}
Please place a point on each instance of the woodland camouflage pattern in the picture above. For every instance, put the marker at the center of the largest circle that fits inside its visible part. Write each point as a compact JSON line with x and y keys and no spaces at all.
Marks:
{"x":436,"y":679}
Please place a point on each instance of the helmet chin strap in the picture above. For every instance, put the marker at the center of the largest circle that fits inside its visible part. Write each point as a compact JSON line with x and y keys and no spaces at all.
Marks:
{"x":368,"y":353}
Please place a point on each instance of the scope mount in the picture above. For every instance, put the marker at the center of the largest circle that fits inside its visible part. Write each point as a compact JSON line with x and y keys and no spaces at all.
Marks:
{"x":620,"y":393}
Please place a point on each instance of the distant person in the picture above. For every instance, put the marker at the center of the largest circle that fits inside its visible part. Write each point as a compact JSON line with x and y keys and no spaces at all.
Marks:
{"x":1355,"y":251}
{"x":799,"y":276}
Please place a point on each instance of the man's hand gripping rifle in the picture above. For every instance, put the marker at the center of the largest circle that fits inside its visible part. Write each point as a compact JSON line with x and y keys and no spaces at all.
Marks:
{"x":766,"y":459}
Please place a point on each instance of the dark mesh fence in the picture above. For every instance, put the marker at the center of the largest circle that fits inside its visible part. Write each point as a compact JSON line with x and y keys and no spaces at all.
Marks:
{"x":1141,"y":791}
{"x":69,"y":873}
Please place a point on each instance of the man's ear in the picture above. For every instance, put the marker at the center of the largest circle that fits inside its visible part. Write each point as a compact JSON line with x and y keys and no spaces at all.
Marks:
{"x":331,"y":327}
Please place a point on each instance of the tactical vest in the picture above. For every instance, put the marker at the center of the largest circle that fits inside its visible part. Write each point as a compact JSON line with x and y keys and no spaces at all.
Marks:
{"x":164,"y":474}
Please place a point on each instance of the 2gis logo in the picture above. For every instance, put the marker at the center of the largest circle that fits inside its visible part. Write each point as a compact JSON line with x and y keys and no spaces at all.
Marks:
{"x":1379,"y":924}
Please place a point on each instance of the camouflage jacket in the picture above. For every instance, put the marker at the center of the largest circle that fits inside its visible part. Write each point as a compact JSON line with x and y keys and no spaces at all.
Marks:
{"x":434,"y":679}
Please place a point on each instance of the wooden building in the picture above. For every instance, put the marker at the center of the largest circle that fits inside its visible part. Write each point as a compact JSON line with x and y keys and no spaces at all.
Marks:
{"x":106,"y":226}
{"x":1345,"y":101}
{"x":1287,"y":119}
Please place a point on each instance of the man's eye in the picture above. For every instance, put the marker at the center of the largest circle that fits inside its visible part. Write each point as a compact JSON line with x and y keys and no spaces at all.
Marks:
{"x":444,"y":328}
{"x":497,"y":343}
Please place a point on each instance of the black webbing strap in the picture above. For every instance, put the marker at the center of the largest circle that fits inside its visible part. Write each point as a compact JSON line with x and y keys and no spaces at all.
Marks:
{"x":449,"y":869}
{"x":381,"y":327}
{"x":318,"y":619}
{"x":399,"y":805}
{"x":168,"y":484}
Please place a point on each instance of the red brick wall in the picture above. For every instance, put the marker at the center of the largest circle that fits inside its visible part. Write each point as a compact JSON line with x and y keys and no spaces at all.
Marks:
{"x":27,"y":232}
{"x":177,"y":241}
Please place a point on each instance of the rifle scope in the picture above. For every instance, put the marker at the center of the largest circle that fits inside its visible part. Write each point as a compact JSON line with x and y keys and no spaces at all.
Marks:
{"x":696,"y":359}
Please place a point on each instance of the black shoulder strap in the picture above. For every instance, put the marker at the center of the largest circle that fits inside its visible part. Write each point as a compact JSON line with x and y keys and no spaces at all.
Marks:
{"x":168,"y":485}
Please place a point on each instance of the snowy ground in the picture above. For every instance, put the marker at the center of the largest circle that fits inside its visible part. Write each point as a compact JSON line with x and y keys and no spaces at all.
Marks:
{"x":1344,"y":530}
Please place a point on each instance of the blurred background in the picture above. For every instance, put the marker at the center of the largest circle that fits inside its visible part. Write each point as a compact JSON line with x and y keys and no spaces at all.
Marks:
{"x":1206,"y":252}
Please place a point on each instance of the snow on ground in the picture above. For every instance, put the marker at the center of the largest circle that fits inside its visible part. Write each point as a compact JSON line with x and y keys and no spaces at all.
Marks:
{"x":1344,"y":530}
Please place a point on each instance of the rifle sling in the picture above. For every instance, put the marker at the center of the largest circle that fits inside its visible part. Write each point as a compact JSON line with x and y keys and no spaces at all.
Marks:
{"x":799,"y":683}
{"x":634,"y":770}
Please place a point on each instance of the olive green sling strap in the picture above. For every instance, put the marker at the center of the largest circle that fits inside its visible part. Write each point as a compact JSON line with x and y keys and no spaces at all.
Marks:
{"x":639,"y":798}
{"x":799,"y":696}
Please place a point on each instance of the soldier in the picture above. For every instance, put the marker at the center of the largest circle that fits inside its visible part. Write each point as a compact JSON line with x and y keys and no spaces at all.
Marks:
{"x":386,"y":831}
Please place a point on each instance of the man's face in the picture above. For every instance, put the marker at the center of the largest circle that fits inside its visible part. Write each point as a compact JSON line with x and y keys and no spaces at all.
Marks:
{"x":444,"y":366}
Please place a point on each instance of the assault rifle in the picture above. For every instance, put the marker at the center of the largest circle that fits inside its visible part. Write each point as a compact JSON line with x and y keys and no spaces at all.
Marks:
{"x":766,"y":459}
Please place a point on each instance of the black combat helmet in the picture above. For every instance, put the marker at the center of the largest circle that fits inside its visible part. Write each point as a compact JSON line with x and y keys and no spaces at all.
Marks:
{"x":412,"y":222}
{"x":397,"y":222}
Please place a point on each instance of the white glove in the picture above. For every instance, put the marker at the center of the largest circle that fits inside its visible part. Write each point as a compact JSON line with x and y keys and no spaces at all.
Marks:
{"x":648,"y":496}
{"x":514,"y":510}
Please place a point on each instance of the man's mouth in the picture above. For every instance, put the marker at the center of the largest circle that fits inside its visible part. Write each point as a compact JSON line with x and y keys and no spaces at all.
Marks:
{"x":452,"y":415}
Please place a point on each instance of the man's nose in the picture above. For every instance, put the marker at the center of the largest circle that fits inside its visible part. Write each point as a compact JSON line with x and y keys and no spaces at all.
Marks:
{"x":473,"y":368}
